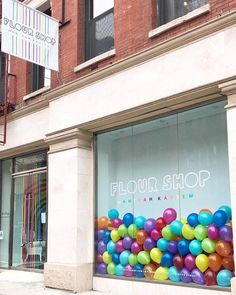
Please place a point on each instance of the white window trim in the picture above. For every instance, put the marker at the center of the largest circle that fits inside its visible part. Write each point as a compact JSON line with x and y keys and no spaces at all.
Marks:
{"x":193,"y":14}
{"x":94,"y":60}
{"x":37,"y":92}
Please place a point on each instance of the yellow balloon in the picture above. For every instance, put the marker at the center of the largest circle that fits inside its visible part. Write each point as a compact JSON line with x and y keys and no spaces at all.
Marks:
{"x":106,"y":257}
{"x":202,"y":262}
{"x":156,"y":255}
{"x":183,"y":220}
{"x":115,"y":235}
{"x":161,"y":273}
{"x":188,"y":232}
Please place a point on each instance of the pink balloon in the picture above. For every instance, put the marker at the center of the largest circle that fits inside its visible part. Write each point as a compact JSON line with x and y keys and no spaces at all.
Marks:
{"x":213,"y":232}
{"x":169,"y":215}
{"x":119,"y":246}
{"x":156,"y":234}
{"x":128,"y":270}
{"x":136,"y":248}
{"x":116,"y":222}
{"x":189,"y":262}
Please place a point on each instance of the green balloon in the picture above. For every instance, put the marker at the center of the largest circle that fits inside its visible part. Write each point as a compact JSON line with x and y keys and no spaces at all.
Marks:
{"x":111,"y":268}
{"x":133,"y":259}
{"x":143,"y":257}
{"x":167,"y":233}
{"x":122,"y":230}
{"x":208,"y":245}
{"x":200,"y":232}
{"x":132,"y":230}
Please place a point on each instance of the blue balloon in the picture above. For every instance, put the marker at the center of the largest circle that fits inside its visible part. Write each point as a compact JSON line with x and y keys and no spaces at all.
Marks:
{"x":124,"y":257}
{"x":183,"y":247}
{"x":223,"y":278}
{"x":162,"y":244}
{"x":119,"y":270}
{"x":176,"y":227}
{"x":205,"y":218}
{"x":106,"y":236}
{"x":111,"y":247}
{"x":113,"y":213}
{"x":193,"y":219}
{"x":227,"y":210}
{"x":173,"y":274}
{"x":139,"y":221}
{"x":116,"y":258}
{"x":195,"y":247}
{"x":138,"y":270}
{"x":167,"y":259}
{"x":128,"y":219}
{"x":220,"y":218}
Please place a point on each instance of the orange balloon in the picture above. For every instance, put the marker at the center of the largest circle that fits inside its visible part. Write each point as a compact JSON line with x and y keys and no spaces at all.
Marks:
{"x":149,"y":271}
{"x":214,"y":261}
{"x":205,"y":210}
{"x":109,"y":223}
{"x":141,"y":236}
{"x":102,"y":222}
{"x":223,"y":248}
{"x":228,"y":262}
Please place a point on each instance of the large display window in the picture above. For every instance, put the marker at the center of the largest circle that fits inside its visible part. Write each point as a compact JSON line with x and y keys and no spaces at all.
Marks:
{"x":163,"y":200}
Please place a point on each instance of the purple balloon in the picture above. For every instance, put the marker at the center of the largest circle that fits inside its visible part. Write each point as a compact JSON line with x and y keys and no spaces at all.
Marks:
{"x":136,"y":248}
{"x":102,"y":268}
{"x":149,"y":243}
{"x":197,"y":277}
{"x":149,"y":225}
{"x":213,"y":232}
{"x":189,"y":262}
{"x":119,"y":246}
{"x":127,"y":242}
{"x":99,"y":258}
{"x":100,"y":234}
{"x":185,"y":276}
{"x":128,"y":271}
{"x":116,"y":222}
{"x":173,"y":247}
{"x":226,"y":233}
{"x":102,"y":247}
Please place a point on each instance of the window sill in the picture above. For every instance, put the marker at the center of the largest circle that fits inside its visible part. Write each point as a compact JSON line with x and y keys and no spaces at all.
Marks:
{"x":94,"y":60}
{"x":176,"y":22}
{"x":37,"y":92}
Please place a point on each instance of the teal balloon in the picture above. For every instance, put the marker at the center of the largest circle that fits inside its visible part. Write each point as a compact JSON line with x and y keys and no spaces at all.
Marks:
{"x":195,"y":247}
{"x":223,"y":278}
{"x":176,"y":227}
{"x":113,"y":213}
{"x":205,"y":218}
{"x":111,"y":247}
{"x":124,"y":257}
{"x":139,"y":221}
{"x":227,"y":210}
{"x":174,"y":274}
{"x":119,"y":270}
{"x":162,"y":244}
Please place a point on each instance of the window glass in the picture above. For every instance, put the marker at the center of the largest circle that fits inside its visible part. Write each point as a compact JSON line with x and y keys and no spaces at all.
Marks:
{"x":163,"y":199}
{"x":30,"y":162}
{"x":101,"y":6}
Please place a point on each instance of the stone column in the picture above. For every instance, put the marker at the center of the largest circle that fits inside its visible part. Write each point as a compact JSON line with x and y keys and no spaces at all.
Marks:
{"x":229,"y":89}
{"x":70,"y":211}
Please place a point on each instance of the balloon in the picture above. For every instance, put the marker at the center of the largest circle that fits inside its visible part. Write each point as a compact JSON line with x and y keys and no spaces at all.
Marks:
{"x":193,"y":219}
{"x":208,"y":245}
{"x":141,"y":236}
{"x":114,"y":235}
{"x":116,"y":258}
{"x":205,"y":210}
{"x":185,"y":275}
{"x":223,"y":278}
{"x":136,"y":248}
{"x":149,"y":225}
{"x":128,"y":219}
{"x":167,"y":259}
{"x":210,"y":278}
{"x":106,"y":236}
{"x":214,"y":261}
{"x":187,"y":232}
{"x":122,"y":230}
{"x":172,"y":247}
{"x":176,"y":227}
{"x":195,"y":247}
{"x":223,"y":248}
{"x":101,"y":247}
{"x":183,"y":247}
{"x":162,"y":244}
{"x":228,"y":262}
{"x":169,"y":215}
{"x":189,"y":262}
{"x":111,"y":247}
{"x":161,"y":273}
{"x":167,"y":233}
{"x":220,"y":218}
{"x":119,"y":270}
{"x":205,"y":218}
{"x":174,"y":274}
{"x":139,"y":221}
{"x":202,"y":262}
{"x":149,"y":243}
{"x":200,"y":232}
{"x":128,"y":271}
{"x":143,"y":257}
{"x":113,"y":213}
{"x":127,"y":242}
{"x":102,"y":268}
{"x":138,"y":270}
{"x":178,"y":261}
{"x":155,"y":234}
{"x":227,"y":210}
{"x":226,"y":233}
{"x":99,"y":258}
{"x":149,"y":271}
{"x":119,"y":246}
{"x":109,"y":223}
{"x":183,"y":220}
{"x":132,"y":230}
{"x":100,"y":234}
{"x":111,"y":268}
{"x":160,"y":223}
{"x":107,"y":258}
{"x":116,"y":222}
{"x":197,"y":277}
{"x":124,"y":257}
{"x":133,"y":259}
{"x":156,"y":255}
{"x":213,"y":232}
{"x":102,"y":222}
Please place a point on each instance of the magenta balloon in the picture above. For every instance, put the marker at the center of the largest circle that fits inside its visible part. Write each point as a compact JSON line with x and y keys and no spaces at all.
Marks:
{"x":116,"y":222}
{"x":189,"y":262}
{"x":119,"y":246}
{"x":99,"y":258}
{"x":156,"y":234}
{"x":136,"y":248}
{"x":128,"y":271}
{"x":226,"y":233}
{"x":213,"y":232}
{"x":169,"y":215}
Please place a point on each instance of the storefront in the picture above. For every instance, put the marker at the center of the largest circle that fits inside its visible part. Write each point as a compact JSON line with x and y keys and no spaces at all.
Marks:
{"x":163,"y":200}
{"x":23,"y":211}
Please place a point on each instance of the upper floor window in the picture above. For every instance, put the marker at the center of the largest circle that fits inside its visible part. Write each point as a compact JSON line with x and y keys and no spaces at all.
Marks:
{"x":99,"y":27}
{"x":169,"y":10}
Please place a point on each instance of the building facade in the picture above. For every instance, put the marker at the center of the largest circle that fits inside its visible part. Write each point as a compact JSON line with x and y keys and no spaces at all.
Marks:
{"x":118,"y":173}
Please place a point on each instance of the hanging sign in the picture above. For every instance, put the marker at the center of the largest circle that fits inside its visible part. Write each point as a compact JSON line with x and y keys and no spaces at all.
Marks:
{"x":29,"y":34}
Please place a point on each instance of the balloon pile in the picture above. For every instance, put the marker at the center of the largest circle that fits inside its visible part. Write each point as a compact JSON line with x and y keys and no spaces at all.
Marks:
{"x":197,"y":250}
